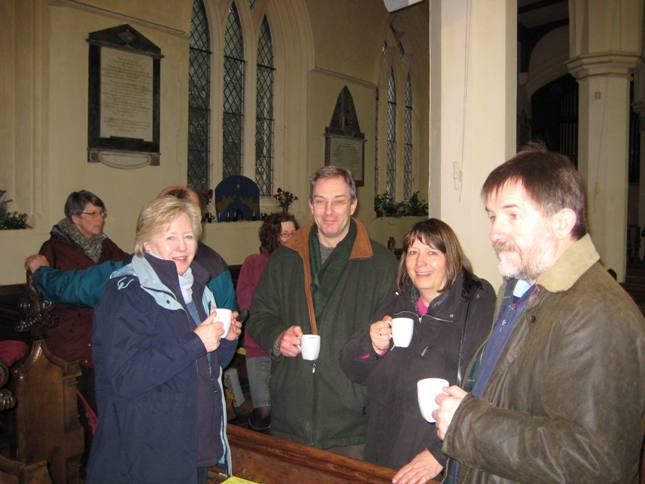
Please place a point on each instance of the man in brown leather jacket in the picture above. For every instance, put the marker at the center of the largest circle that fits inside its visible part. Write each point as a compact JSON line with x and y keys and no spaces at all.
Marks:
{"x":557,"y":393}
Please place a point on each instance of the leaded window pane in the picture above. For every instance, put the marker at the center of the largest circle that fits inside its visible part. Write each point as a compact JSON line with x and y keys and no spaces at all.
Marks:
{"x":233,"y":119}
{"x":376,"y":177}
{"x":198,"y":99}
{"x":391,"y":135}
{"x":264,"y":112}
{"x":407,"y":135}
{"x":233,"y":38}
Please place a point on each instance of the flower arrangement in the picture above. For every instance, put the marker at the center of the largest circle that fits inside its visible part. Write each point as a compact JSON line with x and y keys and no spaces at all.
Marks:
{"x":284,"y":199}
{"x":11,"y":220}
{"x":386,"y":206}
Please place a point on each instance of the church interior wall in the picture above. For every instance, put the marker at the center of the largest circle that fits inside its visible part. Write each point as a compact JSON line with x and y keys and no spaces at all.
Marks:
{"x":45,"y":130}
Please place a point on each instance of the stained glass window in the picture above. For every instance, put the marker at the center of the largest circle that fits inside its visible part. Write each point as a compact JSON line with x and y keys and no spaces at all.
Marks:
{"x":391,"y":135}
{"x":407,"y":139}
{"x":264,"y":112}
{"x":233,"y":120}
{"x":198,"y":99}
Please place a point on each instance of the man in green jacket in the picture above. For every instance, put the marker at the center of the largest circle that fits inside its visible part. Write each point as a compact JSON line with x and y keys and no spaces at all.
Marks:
{"x":559,"y":387}
{"x":328,"y":279}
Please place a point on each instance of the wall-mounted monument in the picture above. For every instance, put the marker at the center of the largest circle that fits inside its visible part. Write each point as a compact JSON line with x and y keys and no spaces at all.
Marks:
{"x":123,"y":111}
{"x":344,"y":142}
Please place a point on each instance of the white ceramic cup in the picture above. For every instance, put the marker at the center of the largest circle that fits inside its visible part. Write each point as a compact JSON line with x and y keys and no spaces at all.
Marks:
{"x":402,"y":329}
{"x":224,"y":316}
{"x":310,"y":346}
{"x":427,"y":391}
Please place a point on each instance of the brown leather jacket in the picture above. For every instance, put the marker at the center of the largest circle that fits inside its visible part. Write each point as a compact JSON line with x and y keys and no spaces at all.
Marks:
{"x":566,"y":402}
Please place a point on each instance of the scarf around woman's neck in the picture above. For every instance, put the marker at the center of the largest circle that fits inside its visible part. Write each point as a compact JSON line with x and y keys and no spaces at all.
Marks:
{"x":92,"y":247}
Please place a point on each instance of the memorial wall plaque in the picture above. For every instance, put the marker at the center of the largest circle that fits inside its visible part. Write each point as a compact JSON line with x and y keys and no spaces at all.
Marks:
{"x":124,"y":86}
{"x":344,"y":142}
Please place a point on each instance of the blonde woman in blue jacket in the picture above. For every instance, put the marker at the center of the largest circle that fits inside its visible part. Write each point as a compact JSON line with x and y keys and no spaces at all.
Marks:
{"x":159,"y":356}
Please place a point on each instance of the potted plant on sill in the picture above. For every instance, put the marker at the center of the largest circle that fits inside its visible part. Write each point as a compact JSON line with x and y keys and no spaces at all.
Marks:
{"x":10,"y":220}
{"x":386,"y":206}
{"x":284,"y":199}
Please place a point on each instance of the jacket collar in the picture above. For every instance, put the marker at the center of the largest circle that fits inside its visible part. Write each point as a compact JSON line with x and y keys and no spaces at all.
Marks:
{"x":362,"y":248}
{"x":149,"y":281}
{"x":571,"y":265}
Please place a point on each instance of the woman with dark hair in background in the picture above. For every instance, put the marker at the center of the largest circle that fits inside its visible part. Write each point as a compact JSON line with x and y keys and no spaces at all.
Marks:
{"x":276,"y":229}
{"x":77,"y":242}
{"x":452,"y":311}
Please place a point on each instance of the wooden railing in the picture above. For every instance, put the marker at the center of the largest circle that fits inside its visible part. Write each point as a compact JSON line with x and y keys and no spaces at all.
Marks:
{"x":262,"y":458}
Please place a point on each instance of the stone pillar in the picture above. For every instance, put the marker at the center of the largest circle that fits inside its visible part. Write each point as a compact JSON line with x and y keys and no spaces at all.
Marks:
{"x":473,"y":88}
{"x":605,"y":46}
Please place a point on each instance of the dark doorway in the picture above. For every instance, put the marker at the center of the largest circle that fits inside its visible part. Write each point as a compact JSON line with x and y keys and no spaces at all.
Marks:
{"x":555,"y":116}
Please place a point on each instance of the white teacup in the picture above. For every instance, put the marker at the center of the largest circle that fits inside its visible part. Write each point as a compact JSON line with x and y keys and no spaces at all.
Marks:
{"x":402,"y":329}
{"x":224,"y":316}
{"x":310,"y":346}
{"x":427,"y":391}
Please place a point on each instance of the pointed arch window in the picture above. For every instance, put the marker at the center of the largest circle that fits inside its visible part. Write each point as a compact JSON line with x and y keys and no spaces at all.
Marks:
{"x":233,"y":119}
{"x":198,"y":99}
{"x":390,"y":176}
{"x":264,"y":112}
{"x":407,"y":139}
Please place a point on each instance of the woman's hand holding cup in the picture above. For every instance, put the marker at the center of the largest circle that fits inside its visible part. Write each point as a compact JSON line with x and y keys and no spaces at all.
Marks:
{"x":380,"y":335}
{"x":236,"y":327}
{"x":210,"y":332}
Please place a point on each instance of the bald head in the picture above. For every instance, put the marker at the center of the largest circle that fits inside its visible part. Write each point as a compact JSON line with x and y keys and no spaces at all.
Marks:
{"x":180,"y":192}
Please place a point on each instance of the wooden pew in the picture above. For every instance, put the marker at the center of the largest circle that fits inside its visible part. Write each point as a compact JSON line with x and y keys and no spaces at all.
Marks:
{"x":47,"y":424}
{"x":15,"y":472}
{"x":261,"y":458}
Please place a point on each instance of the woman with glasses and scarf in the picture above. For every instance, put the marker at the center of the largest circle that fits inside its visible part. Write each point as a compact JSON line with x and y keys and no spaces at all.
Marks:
{"x":77,"y":242}
{"x":452,"y":311}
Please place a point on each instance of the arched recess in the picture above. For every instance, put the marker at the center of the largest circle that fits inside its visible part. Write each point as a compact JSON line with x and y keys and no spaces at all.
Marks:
{"x":548,"y":59}
{"x":292,"y":42}
{"x":555,"y":116}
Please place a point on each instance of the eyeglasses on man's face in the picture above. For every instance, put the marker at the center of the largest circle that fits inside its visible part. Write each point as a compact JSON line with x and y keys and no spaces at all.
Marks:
{"x":339,"y":203}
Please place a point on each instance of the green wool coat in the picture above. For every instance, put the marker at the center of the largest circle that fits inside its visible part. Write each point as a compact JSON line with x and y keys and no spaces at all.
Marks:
{"x":315,"y":403}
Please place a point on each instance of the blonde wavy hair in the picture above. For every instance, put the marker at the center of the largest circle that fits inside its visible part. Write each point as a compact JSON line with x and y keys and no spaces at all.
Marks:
{"x":158,"y":213}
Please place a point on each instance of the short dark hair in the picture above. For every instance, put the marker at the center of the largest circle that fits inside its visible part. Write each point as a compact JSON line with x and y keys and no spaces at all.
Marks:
{"x":271,"y":228}
{"x":178,"y":193}
{"x":549,"y":178}
{"x":76,"y":201}
{"x":437,"y":234}
{"x":331,"y":171}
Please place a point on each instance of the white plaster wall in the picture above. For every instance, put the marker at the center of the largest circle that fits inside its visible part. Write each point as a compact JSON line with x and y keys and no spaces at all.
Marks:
{"x":44,"y":79}
{"x":473,"y":99}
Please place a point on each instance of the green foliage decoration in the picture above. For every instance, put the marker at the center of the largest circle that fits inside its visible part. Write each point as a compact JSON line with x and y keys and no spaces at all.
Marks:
{"x":10,"y":220}
{"x":386,"y":206}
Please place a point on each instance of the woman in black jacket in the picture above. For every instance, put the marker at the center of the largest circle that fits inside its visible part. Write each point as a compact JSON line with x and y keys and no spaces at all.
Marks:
{"x":453,"y":311}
